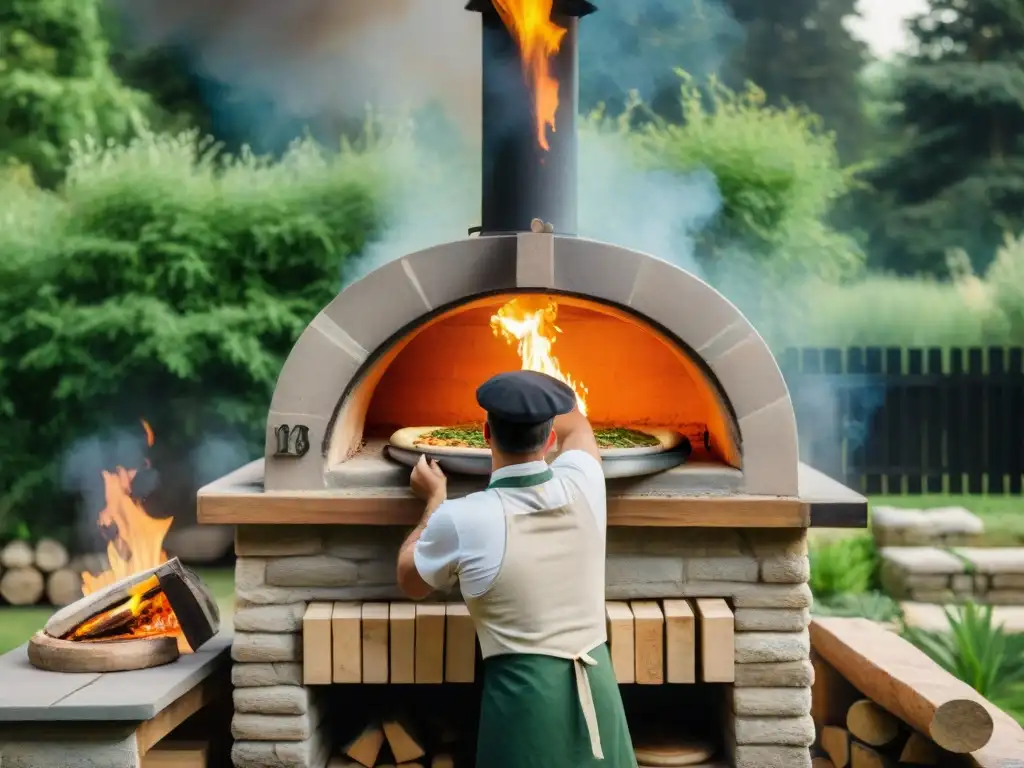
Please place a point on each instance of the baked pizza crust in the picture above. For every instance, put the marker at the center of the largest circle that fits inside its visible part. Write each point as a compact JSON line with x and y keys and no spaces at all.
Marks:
{"x":406,"y":438}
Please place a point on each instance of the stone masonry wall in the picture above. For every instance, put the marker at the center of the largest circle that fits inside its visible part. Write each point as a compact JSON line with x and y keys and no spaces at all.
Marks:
{"x":763,"y":573}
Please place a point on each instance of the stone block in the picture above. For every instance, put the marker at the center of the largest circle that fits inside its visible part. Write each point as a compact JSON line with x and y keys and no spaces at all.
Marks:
{"x":250,"y":573}
{"x":785,"y":674}
{"x":775,"y":542}
{"x":962,"y":584}
{"x":921,"y":560}
{"x":743,"y":568}
{"x":258,"y":647}
{"x":932,"y":595}
{"x":742,"y":594}
{"x":271,"y":727}
{"x":1007,"y":581}
{"x":635,"y":571}
{"x":267,"y":595}
{"x":255,"y":675}
{"x":783,"y":731}
{"x":983,"y":582}
{"x":766,"y":647}
{"x":278,"y":540}
{"x":752,"y":756}
{"x":786,"y":569}
{"x":771,"y":619}
{"x":994,"y":560}
{"x":926,"y":581}
{"x":365,"y":542}
{"x":922,"y":526}
{"x":1005,"y":597}
{"x":273,"y":700}
{"x":378,"y":572}
{"x":771,"y":702}
{"x":270,"y":618}
{"x":311,"y":571}
{"x":678,"y":543}
{"x":309,"y":753}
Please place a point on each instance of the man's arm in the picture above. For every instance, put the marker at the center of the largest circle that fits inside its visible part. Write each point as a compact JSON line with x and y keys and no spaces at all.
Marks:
{"x":574,"y":433}
{"x":409,"y":580}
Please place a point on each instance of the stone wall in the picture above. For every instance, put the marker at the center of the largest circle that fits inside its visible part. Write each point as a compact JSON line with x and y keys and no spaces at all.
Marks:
{"x":992,"y":575}
{"x":763,"y":574}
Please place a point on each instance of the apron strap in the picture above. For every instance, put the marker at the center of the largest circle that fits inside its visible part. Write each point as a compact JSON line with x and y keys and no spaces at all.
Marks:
{"x":586,"y":695}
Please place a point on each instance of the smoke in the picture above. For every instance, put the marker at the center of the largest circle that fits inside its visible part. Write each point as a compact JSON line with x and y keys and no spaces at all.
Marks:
{"x":216,"y":456}
{"x":319,"y":63}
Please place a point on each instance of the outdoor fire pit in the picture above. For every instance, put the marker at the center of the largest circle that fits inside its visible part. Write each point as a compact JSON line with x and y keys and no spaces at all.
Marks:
{"x":141,"y":621}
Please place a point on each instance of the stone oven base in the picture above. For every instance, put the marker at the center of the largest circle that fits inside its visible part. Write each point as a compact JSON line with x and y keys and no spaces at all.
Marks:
{"x":761,"y":573}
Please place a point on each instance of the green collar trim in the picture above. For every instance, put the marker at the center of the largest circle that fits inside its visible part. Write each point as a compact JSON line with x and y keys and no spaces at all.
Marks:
{"x":522,"y":481}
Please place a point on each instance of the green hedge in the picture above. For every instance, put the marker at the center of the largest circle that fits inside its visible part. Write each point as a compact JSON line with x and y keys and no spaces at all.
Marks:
{"x":167,"y":283}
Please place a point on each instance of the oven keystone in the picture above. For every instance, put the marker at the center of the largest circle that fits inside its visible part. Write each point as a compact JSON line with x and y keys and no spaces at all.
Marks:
{"x":292,"y":441}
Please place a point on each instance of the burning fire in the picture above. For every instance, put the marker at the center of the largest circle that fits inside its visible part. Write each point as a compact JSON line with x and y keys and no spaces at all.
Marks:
{"x":138,"y":546}
{"x":529,"y":322}
{"x":539,"y":39}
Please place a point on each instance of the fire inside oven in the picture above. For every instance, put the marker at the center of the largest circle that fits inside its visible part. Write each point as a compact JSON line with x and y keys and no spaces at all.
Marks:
{"x":626,"y":373}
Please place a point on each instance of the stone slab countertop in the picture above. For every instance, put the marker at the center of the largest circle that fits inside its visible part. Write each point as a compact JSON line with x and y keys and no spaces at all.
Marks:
{"x":34,"y":695}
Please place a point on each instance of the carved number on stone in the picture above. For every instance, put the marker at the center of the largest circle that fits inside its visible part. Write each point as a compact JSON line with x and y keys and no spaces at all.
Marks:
{"x":292,"y":441}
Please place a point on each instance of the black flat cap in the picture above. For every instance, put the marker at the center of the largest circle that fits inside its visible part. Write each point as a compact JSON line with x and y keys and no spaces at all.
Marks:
{"x":525,"y":397}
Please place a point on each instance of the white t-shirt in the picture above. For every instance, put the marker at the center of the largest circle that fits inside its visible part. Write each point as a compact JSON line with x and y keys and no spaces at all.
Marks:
{"x":465,"y":538}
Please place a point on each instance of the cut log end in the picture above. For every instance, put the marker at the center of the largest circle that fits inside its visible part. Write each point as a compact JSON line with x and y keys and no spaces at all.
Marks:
{"x":22,"y":586}
{"x":862,"y":756}
{"x":822,"y":762}
{"x":919,"y":751}
{"x":961,"y":726}
{"x":50,"y":555}
{"x":835,"y":742}
{"x":871,"y":724}
{"x":63,"y":587}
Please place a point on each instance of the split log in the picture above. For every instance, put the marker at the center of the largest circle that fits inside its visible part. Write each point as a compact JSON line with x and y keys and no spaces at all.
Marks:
{"x":821,"y":762}
{"x":442,"y":761}
{"x":365,"y":748}
{"x":835,"y":742}
{"x":17,"y":554}
{"x":22,"y":586}
{"x":63,"y":587}
{"x":871,"y":724}
{"x":50,"y":555}
{"x":919,"y":751}
{"x":903,"y":680}
{"x":405,"y":747}
{"x":862,"y":756}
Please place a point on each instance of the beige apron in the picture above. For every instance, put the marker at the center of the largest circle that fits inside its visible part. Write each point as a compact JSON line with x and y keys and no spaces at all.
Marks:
{"x":548,"y":596}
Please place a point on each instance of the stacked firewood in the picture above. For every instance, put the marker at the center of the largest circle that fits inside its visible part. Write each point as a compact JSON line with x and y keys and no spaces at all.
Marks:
{"x":394,"y":742}
{"x":873,"y":738}
{"x":30,"y":574}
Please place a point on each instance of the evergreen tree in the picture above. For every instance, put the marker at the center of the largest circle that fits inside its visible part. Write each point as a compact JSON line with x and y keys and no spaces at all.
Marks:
{"x":56,"y":86}
{"x":800,"y":51}
{"x":959,"y":182}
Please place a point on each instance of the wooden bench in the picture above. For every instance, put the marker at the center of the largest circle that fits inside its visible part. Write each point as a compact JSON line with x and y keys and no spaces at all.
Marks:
{"x":108,"y":720}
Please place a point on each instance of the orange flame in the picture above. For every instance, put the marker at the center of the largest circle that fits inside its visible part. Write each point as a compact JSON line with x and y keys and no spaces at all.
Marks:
{"x":539,"y":38}
{"x":137,"y":547}
{"x":529,"y":322}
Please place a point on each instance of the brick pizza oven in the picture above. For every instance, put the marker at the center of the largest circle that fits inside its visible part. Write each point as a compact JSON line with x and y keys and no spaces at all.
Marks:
{"x":707,"y":560}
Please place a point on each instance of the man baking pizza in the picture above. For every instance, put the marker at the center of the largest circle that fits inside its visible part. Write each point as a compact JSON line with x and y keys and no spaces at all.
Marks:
{"x":529,"y":555}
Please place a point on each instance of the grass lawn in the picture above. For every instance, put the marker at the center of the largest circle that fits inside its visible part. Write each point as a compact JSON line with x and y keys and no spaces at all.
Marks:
{"x":18,"y":624}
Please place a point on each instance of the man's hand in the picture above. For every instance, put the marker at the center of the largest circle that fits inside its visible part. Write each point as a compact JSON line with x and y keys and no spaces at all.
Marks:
{"x":574,"y":433}
{"x":428,"y":482}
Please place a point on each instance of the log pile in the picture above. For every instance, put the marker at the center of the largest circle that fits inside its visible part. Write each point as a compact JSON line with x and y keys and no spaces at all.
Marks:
{"x":41,"y":573}
{"x":879,"y":702}
{"x":396,"y":742}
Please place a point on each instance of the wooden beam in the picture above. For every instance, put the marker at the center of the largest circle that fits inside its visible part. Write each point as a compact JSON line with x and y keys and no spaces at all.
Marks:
{"x":430,"y":620}
{"x":376,"y":617}
{"x":680,"y":642}
{"x":649,"y":642}
{"x":717,"y":641}
{"x":459,"y":644}
{"x":403,"y":643}
{"x":903,"y":680}
{"x":316,"y":644}
{"x":621,"y":641}
{"x":347,"y":643}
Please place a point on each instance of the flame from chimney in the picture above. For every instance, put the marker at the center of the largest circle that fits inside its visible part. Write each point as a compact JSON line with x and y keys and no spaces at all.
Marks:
{"x":539,"y":38}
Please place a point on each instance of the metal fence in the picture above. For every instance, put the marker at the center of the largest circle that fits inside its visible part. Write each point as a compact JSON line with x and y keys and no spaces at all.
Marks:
{"x":895,"y":420}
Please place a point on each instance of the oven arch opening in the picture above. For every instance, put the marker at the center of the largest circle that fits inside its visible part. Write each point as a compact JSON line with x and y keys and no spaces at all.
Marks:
{"x":634,"y":373}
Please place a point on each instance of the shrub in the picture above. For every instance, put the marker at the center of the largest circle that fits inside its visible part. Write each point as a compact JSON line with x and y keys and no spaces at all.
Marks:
{"x":844,"y":566}
{"x":167,"y":282}
{"x":778,"y":175}
{"x":876,"y":606}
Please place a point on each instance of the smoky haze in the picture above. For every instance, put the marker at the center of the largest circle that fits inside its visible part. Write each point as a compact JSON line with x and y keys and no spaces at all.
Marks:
{"x":308,"y":58}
